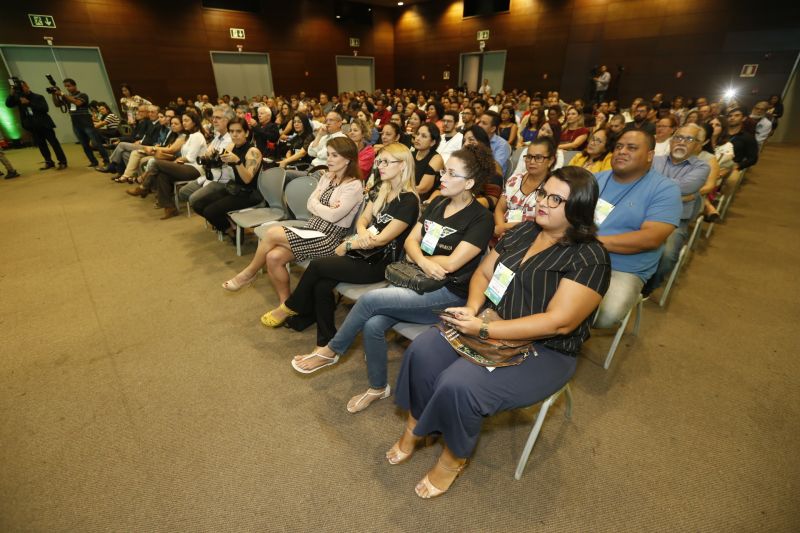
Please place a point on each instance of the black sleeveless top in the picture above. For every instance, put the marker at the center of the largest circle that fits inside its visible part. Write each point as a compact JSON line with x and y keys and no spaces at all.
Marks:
{"x":422,"y":167}
{"x":241,"y":153}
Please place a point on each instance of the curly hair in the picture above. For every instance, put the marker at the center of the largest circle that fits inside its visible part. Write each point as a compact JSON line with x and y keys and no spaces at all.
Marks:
{"x":478,"y":164}
{"x":579,"y":207}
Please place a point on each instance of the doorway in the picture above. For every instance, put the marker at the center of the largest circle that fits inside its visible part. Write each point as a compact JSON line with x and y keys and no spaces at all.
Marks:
{"x":355,"y":73}
{"x":478,"y":66}
{"x":242,"y":74}
{"x":83,"y":64}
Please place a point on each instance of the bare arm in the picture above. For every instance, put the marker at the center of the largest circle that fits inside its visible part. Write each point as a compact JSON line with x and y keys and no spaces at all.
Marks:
{"x":649,"y":237}
{"x":579,"y":140}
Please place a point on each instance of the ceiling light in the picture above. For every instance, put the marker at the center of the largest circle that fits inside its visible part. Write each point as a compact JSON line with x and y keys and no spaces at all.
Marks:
{"x":399,"y":3}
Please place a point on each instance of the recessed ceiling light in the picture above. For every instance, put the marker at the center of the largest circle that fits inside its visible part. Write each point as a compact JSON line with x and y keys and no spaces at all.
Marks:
{"x":399,"y":3}
{"x":338,"y":16}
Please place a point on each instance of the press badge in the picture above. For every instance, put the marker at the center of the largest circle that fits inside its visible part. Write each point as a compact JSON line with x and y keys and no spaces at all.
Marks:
{"x":373,"y":230}
{"x":73,"y":107}
{"x":514,"y":215}
{"x":501,"y":279}
{"x":602,"y":210}
{"x":432,"y":237}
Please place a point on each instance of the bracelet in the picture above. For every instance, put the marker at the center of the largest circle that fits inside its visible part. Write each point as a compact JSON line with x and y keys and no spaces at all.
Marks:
{"x":348,"y":245}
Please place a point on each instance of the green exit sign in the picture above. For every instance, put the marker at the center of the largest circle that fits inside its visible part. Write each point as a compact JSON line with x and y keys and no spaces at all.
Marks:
{"x":42,"y":21}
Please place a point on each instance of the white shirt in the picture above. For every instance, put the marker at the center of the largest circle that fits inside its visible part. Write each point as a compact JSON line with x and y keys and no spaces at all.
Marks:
{"x":662,"y":148}
{"x":320,"y":152}
{"x":601,"y":84}
{"x":763,"y":129}
{"x":446,"y":148}
{"x":222,"y":175}
{"x":484,"y":89}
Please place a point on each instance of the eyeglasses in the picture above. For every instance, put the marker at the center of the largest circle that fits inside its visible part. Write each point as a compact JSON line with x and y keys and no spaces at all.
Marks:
{"x":538,"y":158}
{"x":450,"y":174}
{"x":684,"y":138}
{"x":597,"y":140}
{"x":385,"y":162}
{"x":553,"y":200}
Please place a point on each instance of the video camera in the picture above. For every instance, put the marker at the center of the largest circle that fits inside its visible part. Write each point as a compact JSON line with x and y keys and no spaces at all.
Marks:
{"x":16,"y":84}
{"x":53,"y":85}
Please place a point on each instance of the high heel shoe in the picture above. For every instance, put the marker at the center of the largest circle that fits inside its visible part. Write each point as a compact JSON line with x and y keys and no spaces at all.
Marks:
{"x":432,"y":490}
{"x":138,"y":191}
{"x":399,"y":455}
{"x":233,"y":285}
{"x":169,"y":212}
{"x":271,"y":322}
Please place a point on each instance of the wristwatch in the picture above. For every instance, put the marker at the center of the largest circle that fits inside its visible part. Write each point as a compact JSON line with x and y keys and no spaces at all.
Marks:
{"x":484,"y":331}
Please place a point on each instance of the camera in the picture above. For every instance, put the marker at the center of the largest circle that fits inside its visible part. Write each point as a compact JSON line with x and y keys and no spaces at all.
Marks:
{"x":212,"y":161}
{"x":53,"y":85}
{"x":16,"y":84}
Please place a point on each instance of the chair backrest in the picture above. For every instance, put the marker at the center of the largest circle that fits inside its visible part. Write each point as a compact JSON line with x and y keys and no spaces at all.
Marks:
{"x":270,"y":185}
{"x":513,"y":161}
{"x":298,"y":192}
{"x":353,"y":229}
{"x":569,"y":155}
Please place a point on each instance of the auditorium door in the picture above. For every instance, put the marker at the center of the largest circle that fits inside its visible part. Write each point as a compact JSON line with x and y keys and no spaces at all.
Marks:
{"x":477,"y":66}
{"x":355,"y":73}
{"x":242,"y":74}
{"x":83,"y":64}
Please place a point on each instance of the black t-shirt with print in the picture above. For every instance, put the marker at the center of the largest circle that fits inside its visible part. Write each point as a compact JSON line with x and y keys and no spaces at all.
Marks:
{"x":404,"y":208}
{"x":473,"y":224}
{"x":80,"y":114}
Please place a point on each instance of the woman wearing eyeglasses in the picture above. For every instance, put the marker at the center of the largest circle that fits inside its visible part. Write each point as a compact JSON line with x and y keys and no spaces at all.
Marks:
{"x":560,"y":273}
{"x":447,"y":244}
{"x":596,"y":157}
{"x":518,"y":202}
{"x":382,"y":228}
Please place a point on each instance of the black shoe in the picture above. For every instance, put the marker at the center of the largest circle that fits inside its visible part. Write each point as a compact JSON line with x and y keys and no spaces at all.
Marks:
{"x":93,"y":164}
{"x":48,"y":165}
{"x":713,"y":217}
{"x":12,"y":174}
{"x":61,"y":166}
{"x":104,"y":169}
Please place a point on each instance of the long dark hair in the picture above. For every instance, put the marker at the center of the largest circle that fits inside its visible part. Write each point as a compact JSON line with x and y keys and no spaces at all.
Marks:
{"x":346,"y":148}
{"x":195,"y":120}
{"x":308,"y":131}
{"x":579,"y":208}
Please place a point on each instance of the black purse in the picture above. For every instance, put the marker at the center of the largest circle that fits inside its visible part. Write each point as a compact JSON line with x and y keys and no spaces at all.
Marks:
{"x":410,"y":276}
{"x":371,"y":256}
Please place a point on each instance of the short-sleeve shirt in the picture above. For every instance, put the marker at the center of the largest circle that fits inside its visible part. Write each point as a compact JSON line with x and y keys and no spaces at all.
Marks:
{"x":404,"y":208}
{"x":536,"y":281}
{"x":567,"y":136}
{"x":516,"y":199}
{"x":651,"y":198}
{"x":80,"y":114}
{"x":473,"y":224}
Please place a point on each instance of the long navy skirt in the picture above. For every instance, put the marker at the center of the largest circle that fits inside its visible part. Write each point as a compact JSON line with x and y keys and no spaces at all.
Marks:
{"x":450,"y":395}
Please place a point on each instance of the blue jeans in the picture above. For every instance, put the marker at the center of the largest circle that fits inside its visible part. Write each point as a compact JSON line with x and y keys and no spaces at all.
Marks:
{"x":377,"y":311}
{"x":85,"y":135}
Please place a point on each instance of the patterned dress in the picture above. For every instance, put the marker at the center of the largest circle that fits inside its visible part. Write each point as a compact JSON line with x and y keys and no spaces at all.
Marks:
{"x":319,"y":246}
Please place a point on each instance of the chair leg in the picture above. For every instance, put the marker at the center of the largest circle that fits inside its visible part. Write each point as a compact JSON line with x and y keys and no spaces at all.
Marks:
{"x":534,"y":434}
{"x":568,"y":407}
{"x":238,"y":240}
{"x":698,"y":227}
{"x":617,"y":338}
{"x":673,"y":275}
{"x":639,"y":311}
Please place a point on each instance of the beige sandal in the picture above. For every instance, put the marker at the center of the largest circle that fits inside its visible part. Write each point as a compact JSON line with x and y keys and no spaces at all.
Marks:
{"x":361,"y":401}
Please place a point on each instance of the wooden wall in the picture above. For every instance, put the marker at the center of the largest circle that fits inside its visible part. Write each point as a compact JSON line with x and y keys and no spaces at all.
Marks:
{"x":162,"y":48}
{"x":708,"y":41}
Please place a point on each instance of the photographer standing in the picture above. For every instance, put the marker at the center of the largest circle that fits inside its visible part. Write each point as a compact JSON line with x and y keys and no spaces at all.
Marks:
{"x":34,"y":116}
{"x":78,"y":104}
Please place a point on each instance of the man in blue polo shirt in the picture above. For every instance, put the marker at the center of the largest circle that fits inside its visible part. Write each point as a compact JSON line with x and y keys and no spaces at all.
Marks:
{"x":690,"y":173}
{"x":637,"y":211}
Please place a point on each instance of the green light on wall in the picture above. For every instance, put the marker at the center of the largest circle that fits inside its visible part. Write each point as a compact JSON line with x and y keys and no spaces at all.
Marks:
{"x":9,"y":123}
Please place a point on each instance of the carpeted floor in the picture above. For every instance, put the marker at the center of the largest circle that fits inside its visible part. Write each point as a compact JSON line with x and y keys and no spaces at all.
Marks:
{"x":137,"y":395}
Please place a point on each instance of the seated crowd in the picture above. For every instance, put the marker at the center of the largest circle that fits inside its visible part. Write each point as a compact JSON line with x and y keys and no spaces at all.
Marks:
{"x":590,"y":212}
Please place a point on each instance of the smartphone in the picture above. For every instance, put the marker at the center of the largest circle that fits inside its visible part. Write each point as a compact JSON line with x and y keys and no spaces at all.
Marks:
{"x":248,"y":117}
{"x":443,"y":312}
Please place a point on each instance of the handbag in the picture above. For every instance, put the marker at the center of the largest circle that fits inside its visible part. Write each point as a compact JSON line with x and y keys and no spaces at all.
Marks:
{"x":410,"y":276}
{"x":371,"y":256}
{"x":487,"y":352}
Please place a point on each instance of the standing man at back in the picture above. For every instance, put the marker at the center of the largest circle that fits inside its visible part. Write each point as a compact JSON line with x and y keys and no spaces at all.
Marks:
{"x":78,"y":107}
{"x":636,"y":212}
{"x":34,"y":117}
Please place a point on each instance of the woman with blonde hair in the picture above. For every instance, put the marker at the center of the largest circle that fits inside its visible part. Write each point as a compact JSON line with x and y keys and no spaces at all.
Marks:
{"x":381,"y":230}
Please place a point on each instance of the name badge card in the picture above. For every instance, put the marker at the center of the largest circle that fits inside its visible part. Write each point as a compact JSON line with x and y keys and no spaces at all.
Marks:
{"x":73,"y":107}
{"x":602,"y":211}
{"x":432,"y":237}
{"x":501,"y":279}
{"x":514,"y":215}
{"x":373,"y":230}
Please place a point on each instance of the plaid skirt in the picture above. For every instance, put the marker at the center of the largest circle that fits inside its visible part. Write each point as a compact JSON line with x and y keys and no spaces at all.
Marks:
{"x":319,"y":246}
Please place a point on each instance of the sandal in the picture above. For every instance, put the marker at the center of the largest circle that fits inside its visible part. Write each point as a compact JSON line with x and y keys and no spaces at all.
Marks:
{"x":399,"y":455}
{"x":271,"y":322}
{"x":362,"y":401}
{"x":331,"y":361}
{"x":233,"y":285}
{"x":434,"y":491}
